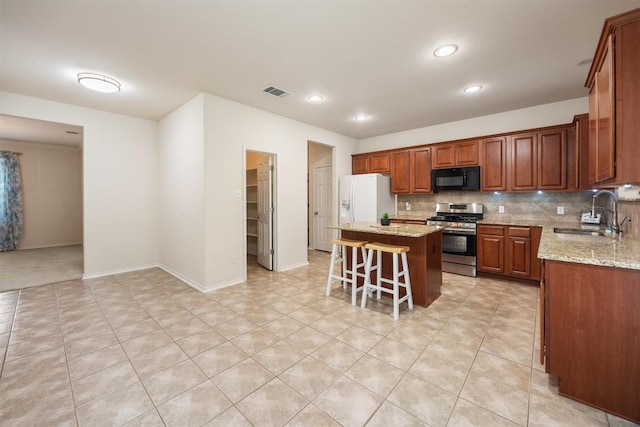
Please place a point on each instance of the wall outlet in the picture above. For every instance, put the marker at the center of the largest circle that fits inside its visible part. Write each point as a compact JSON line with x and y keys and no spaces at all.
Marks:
{"x":500,"y":209}
{"x":407,"y":206}
{"x":237,"y":194}
{"x":560,"y":210}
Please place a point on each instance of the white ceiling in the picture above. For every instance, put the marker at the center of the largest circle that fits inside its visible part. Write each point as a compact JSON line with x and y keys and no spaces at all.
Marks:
{"x":363,"y":56}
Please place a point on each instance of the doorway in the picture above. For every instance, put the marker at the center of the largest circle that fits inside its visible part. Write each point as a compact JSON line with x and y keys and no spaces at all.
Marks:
{"x":260,"y":209}
{"x":50,"y":158}
{"x":320,"y":196}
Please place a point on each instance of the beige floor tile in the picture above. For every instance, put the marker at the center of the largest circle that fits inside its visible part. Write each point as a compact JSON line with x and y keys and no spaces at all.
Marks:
{"x":348,"y":402}
{"x":306,"y":315}
{"x":619,"y":422}
{"x":279,"y":357}
{"x":254,"y":341}
{"x":96,"y":361}
{"x":283,"y":326}
{"x":173,"y":381}
{"x":116,"y":408}
{"x":467,"y":414}
{"x":309,"y":377}
{"x":544,"y":412}
{"x":91,"y":344}
{"x":308,"y":339}
{"x":518,"y":352}
{"x":219,"y":358}
{"x":230,"y":417}
{"x":395,"y":353}
{"x":416,"y":337}
{"x":273,"y":404}
{"x":137,"y":329}
{"x":53,"y":405}
{"x":201,"y":341}
{"x":390,"y":415}
{"x":149,"y":419}
{"x":374,"y":374}
{"x":149,"y":364}
{"x":235,"y":327}
{"x":33,"y":334}
{"x":440,"y":372}
{"x":103,"y":382}
{"x":360,"y":338}
{"x":195,"y":406}
{"x":311,"y":416}
{"x":505,"y":371}
{"x":218,"y":316}
{"x":499,"y":398}
{"x":23,"y":386}
{"x":262,"y":315}
{"x":185,"y":328}
{"x":27,"y":348}
{"x":146,"y":343}
{"x":421,"y":399}
{"x":458,"y":354}
{"x":242,"y":379}
{"x":331,"y":325}
{"x":337,"y":355}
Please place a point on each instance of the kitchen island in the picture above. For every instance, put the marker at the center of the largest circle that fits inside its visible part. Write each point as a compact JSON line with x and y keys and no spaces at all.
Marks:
{"x":424,"y":256}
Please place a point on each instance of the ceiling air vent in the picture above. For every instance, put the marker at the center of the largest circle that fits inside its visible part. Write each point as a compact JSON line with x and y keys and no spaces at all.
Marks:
{"x":276,"y":92}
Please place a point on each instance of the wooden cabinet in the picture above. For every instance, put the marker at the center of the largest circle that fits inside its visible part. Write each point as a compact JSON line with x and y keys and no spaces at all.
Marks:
{"x":509,"y":250}
{"x":614,"y":103}
{"x":578,"y":154}
{"x":490,"y":248}
{"x":359,"y":163}
{"x":452,"y":154}
{"x":552,"y":159}
{"x":523,"y":162}
{"x":401,"y":171}
{"x":591,"y":335}
{"x":420,"y":170}
{"x":494,"y":164}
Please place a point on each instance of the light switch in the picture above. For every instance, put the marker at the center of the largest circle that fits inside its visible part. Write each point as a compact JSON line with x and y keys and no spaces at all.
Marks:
{"x":237,"y":194}
{"x":501,"y":209}
{"x":560,"y":210}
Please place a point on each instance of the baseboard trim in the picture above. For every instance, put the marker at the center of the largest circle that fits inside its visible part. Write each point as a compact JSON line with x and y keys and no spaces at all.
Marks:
{"x":57,"y":245}
{"x":294,"y":266}
{"x":117,"y":271}
{"x":197,"y":286}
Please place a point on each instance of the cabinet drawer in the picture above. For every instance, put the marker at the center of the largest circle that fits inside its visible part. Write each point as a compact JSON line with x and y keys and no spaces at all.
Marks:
{"x":496,"y":230}
{"x":519,"y":231}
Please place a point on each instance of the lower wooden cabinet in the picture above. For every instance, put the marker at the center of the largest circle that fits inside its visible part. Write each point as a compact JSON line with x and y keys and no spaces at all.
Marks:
{"x":509,"y":250}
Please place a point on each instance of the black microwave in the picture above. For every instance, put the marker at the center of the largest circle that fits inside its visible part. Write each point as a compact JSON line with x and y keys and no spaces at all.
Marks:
{"x":460,"y":179}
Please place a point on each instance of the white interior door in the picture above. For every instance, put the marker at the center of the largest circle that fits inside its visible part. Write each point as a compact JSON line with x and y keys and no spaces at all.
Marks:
{"x":322,"y":208}
{"x":265,"y":213}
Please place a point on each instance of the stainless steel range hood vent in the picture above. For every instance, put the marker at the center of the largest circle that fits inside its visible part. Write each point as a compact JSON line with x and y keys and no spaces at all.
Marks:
{"x":276,"y":92}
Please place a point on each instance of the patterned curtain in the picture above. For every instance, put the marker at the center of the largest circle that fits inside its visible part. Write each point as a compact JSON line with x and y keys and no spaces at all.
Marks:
{"x":10,"y":201}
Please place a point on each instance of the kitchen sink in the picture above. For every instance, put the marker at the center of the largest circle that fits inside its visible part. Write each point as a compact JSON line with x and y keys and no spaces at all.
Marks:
{"x":575,"y":231}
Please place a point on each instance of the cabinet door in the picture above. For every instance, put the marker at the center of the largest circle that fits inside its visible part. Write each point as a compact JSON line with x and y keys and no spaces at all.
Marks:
{"x":491,"y":249}
{"x":578,"y":154}
{"x":523,"y":167}
{"x":605,"y":141}
{"x":359,"y":164}
{"x":467,"y":153}
{"x":400,"y":171}
{"x":518,"y":252}
{"x":443,"y":156}
{"x":380,"y":163}
{"x":494,"y":164}
{"x":552,"y":160}
{"x":421,"y":170}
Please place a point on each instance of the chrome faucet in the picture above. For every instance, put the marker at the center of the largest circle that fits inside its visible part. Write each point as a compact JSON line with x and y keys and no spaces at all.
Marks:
{"x":615,"y":227}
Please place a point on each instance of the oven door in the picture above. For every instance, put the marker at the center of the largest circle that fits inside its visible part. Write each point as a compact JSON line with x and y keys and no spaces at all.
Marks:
{"x":459,"y":242}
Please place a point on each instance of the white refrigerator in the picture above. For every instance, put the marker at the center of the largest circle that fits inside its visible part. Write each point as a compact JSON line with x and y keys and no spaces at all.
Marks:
{"x":365,"y":198}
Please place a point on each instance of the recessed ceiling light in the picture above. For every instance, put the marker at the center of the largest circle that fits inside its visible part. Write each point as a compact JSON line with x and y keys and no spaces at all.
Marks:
{"x":361,"y":117}
{"x":99,"y":83}
{"x":446,"y":50}
{"x":315,"y":98}
{"x":472,"y":89}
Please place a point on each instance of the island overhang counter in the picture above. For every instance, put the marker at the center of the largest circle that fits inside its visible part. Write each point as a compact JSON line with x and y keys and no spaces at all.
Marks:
{"x":424,"y":256}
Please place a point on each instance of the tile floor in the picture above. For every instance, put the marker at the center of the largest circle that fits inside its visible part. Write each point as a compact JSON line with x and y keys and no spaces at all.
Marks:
{"x":144,"y":349}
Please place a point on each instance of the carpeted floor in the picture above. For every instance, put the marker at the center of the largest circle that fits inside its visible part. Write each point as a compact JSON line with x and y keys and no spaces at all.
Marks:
{"x":34,"y":267}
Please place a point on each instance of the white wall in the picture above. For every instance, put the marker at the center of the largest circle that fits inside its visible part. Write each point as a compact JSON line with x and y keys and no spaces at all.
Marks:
{"x":230,"y":129}
{"x":181,"y":187}
{"x":120,"y":179}
{"x":51,"y":193}
{"x":527,"y":118}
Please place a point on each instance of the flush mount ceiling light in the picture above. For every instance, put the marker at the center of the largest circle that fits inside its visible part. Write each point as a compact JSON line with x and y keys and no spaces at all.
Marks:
{"x":446,"y":50}
{"x":361,"y":117}
{"x":472,"y":89}
{"x":315,"y":98}
{"x":99,"y":83}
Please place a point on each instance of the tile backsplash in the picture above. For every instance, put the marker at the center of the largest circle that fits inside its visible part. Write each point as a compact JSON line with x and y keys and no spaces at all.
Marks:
{"x":523,"y":206}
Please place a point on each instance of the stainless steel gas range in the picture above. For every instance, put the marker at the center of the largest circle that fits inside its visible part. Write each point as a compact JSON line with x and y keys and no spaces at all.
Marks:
{"x":458,"y":236}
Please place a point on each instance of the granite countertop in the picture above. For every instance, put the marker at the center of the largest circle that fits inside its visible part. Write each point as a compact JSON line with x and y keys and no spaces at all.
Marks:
{"x":405,"y":230}
{"x":596,"y":250}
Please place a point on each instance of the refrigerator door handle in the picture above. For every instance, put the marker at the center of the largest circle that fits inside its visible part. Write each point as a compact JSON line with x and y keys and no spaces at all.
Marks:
{"x":353,"y":201}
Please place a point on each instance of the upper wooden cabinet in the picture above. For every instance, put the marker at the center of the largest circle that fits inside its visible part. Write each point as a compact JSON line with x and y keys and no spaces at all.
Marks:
{"x":614,"y":103}
{"x":494,"y":164}
{"x":452,"y":154}
{"x":523,"y":162}
{"x":379,"y":162}
{"x":411,"y":171}
{"x":401,"y":171}
{"x":552,"y":159}
{"x":578,"y":154}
